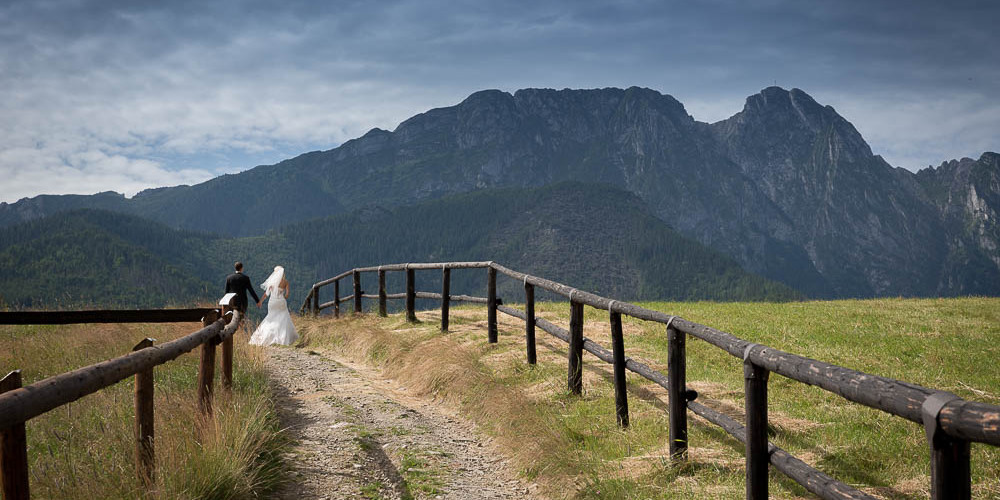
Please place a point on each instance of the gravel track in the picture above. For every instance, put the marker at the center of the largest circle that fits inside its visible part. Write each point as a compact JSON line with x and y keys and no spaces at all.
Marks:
{"x":358,"y":435}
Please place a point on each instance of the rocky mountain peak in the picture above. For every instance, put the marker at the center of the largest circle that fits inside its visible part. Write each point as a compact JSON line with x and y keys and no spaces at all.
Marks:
{"x":479,"y":117}
{"x":487,"y":97}
{"x":990,"y":159}
{"x":375,"y":132}
{"x":663,"y":103}
{"x":788,"y":108}
{"x":780,"y":124}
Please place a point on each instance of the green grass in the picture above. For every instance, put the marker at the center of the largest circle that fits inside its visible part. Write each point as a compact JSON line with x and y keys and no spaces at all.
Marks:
{"x":421,"y":475}
{"x":85,"y":449}
{"x":571,"y":443}
{"x":372,"y":491}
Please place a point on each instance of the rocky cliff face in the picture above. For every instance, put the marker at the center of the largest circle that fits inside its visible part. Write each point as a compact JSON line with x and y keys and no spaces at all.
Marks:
{"x":966,"y":195}
{"x":863,"y":224}
{"x":787,"y":187}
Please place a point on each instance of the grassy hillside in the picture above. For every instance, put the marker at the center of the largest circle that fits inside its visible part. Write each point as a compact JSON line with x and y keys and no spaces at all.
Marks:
{"x":593,"y":237}
{"x":573,"y":448}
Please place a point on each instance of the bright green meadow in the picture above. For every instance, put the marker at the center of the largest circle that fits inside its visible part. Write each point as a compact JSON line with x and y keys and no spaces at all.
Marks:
{"x":573,"y":448}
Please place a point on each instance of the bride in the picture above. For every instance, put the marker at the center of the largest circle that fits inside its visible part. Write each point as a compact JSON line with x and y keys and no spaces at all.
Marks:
{"x":277,"y":327}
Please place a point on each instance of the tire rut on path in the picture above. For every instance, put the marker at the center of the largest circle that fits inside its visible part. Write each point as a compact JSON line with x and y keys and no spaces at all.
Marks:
{"x":358,"y":435}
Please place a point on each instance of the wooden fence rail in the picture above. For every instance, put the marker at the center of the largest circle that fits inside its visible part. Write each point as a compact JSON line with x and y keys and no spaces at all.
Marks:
{"x":103,"y":316}
{"x":951,"y":423}
{"x":20,"y":404}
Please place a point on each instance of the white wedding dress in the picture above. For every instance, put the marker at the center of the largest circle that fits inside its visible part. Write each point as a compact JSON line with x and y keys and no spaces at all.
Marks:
{"x":277,"y":327}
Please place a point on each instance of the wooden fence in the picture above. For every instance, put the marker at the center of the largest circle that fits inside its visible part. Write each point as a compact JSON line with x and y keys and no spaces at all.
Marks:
{"x":951,"y":423}
{"x":19,"y":404}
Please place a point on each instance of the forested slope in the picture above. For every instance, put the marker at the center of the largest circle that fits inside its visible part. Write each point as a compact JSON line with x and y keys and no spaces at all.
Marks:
{"x":590,"y":236}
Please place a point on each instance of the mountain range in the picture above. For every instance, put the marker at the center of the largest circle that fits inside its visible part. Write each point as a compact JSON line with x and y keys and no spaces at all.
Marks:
{"x":594,"y":236}
{"x":786,"y":188}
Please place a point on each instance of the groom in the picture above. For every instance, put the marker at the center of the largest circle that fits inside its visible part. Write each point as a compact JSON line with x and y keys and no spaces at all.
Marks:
{"x":239,"y":284}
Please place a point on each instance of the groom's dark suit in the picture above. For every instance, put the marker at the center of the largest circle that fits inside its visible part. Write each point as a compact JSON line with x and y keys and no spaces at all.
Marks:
{"x":239,"y":284}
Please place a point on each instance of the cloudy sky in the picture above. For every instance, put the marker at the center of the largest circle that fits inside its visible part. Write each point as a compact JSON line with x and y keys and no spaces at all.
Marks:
{"x":125,"y":95}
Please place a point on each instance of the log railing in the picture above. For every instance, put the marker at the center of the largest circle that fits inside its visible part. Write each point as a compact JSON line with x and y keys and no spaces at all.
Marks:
{"x":951,"y":423}
{"x":20,"y":404}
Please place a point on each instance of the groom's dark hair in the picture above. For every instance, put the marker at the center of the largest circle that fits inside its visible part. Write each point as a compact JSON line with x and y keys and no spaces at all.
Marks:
{"x":238,"y":265}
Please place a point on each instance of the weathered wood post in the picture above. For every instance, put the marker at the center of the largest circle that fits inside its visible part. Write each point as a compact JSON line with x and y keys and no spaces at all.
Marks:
{"x":206,"y":368}
{"x":677,"y":382}
{"x":227,"y":363}
{"x":13,"y":450}
{"x":491,"y":305}
{"x":227,"y":353}
{"x":381,"y":293}
{"x":529,"y":321}
{"x":445,"y":296}
{"x":357,"y":291}
{"x":336,"y":298}
{"x":144,"y":451}
{"x":315,"y":301}
{"x":575,"y":374}
{"x":411,"y":296}
{"x":950,"y":457}
{"x":757,"y":459}
{"x":618,"y":355}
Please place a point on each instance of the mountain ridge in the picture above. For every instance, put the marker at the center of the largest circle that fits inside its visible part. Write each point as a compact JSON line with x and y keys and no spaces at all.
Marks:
{"x":787,"y":186}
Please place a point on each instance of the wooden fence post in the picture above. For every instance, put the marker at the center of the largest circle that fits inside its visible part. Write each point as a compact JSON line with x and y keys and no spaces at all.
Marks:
{"x":529,"y":322}
{"x":575,"y":375}
{"x":206,"y":369}
{"x":757,"y":459}
{"x":144,"y":451}
{"x":445,"y":296}
{"x":227,"y":363}
{"x":381,"y":293}
{"x":315,"y":301}
{"x":13,"y":450}
{"x":227,"y":353}
{"x":336,"y":299}
{"x":491,"y":305}
{"x":951,"y":476}
{"x":411,"y":296}
{"x":677,"y":402}
{"x":618,"y":354}
{"x":357,"y":292}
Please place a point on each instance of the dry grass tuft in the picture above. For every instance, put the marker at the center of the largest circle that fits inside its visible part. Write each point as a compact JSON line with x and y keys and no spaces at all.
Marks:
{"x":85,"y":449}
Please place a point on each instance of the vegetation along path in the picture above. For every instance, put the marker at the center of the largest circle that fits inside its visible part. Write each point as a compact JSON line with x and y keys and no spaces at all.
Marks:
{"x":359,"y":435}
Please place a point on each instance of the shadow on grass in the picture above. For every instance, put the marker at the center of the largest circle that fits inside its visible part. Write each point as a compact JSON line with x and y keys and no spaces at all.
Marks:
{"x":848,"y":466}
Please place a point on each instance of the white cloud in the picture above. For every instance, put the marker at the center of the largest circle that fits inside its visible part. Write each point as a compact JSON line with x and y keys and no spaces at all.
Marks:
{"x":86,"y":171}
{"x":915,"y":130}
{"x":127,"y":124}
{"x":103,"y":97}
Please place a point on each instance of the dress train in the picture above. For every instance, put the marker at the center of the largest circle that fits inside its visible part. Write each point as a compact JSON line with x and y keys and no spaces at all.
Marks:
{"x":277,"y":327}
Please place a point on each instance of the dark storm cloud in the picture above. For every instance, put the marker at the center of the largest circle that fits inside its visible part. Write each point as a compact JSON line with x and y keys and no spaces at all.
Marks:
{"x":127,"y":95}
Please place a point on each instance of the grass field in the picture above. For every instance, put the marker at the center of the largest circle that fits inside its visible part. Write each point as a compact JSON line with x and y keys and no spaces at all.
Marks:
{"x":572,"y":447}
{"x":85,"y":449}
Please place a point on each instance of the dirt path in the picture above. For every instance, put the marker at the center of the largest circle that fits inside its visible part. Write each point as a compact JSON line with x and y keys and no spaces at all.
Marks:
{"x":360,"y":436}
